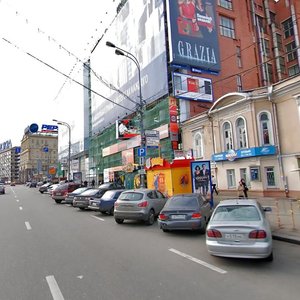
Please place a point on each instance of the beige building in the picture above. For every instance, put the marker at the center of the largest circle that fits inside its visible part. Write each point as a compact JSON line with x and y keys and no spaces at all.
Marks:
{"x":38,"y":158}
{"x":252,"y":135}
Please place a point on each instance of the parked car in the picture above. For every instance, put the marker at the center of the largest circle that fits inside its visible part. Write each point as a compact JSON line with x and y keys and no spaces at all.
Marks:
{"x":70,"y":196}
{"x":60,"y":193}
{"x":106,"y":203}
{"x":43,"y":188}
{"x":240,"y":228}
{"x":2,"y":188}
{"x":111,"y":186}
{"x":51,"y":188}
{"x":33,"y":184}
{"x":82,"y":200}
{"x":139,"y":204}
{"x":185,"y":212}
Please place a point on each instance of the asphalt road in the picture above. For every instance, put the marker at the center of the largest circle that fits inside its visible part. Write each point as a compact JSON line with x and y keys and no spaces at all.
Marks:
{"x":52,"y":251}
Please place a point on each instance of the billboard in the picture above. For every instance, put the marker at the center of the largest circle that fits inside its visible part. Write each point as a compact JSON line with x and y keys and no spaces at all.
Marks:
{"x":192,"y":87}
{"x":193,"y":34}
{"x":139,"y":29}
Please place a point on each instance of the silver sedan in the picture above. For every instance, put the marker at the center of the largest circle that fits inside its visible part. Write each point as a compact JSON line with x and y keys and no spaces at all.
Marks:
{"x":239,"y":228}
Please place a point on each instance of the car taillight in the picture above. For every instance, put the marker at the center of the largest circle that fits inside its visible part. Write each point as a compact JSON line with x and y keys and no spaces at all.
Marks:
{"x":213,"y":233}
{"x":196,"y":216}
{"x":143,"y":204}
{"x":65,"y":193}
{"x":257,"y":234}
{"x":116,"y":204}
{"x":163,"y":217}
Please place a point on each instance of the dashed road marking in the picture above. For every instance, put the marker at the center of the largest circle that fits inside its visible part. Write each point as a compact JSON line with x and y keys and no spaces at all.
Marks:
{"x":54,"y":288}
{"x":98,"y":218}
{"x":198,"y":261}
{"x":20,"y":208}
{"x":28,"y":226}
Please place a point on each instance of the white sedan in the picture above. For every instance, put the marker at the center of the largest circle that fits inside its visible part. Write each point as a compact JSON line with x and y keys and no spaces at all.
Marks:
{"x":239,"y":228}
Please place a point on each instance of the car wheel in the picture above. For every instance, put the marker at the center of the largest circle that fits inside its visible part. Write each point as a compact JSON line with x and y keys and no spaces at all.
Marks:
{"x":119,"y":221}
{"x":151,"y":217}
{"x":165,"y":230}
{"x":41,"y":192}
{"x":111,"y":211}
{"x":270,"y":257}
{"x":81,"y":208}
{"x":58,"y":201}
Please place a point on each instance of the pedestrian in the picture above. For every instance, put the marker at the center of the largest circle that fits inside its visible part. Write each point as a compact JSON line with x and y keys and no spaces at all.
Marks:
{"x":214,"y":185}
{"x":240,"y":190}
{"x":93,"y":183}
{"x":245,"y":188}
{"x":85,"y":183}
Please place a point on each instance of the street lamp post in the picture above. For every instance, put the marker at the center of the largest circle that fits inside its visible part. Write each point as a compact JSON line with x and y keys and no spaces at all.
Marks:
{"x":69,"y":148}
{"x":140,"y":105}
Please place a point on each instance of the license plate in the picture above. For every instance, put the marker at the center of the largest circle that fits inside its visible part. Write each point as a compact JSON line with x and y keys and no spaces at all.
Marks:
{"x":178,"y":217}
{"x":58,"y":194}
{"x":234,"y":236}
{"x":94,"y":204}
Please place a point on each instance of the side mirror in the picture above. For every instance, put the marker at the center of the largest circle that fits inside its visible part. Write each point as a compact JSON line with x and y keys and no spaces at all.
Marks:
{"x":267,"y":208}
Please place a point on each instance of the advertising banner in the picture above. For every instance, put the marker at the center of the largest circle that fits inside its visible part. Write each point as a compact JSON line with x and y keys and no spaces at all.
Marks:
{"x":192,"y":87}
{"x":193,"y":34}
{"x":139,"y":29}
{"x":201,"y":179}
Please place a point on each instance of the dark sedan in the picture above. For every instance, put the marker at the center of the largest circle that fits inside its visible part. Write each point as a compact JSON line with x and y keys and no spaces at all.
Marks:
{"x":82,"y":200}
{"x":70,"y":196}
{"x":2,"y":189}
{"x":185,"y":212}
{"x":106,"y":203}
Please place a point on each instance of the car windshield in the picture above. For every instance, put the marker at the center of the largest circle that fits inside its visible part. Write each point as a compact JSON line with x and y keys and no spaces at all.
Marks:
{"x":131,"y":196}
{"x":62,"y":187}
{"x":236,"y":213}
{"x":104,"y":186}
{"x":182,"y":202}
{"x":90,"y":192}
{"x":108,"y":195}
{"x":79,"y":190}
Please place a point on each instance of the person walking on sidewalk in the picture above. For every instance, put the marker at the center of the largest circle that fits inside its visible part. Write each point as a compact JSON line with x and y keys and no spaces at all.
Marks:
{"x":214,"y":185}
{"x":245,"y":188}
{"x":240,"y":190}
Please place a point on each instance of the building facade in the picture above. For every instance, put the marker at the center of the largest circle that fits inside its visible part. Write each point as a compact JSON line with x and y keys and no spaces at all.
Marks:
{"x":9,"y":164}
{"x":251,"y":135}
{"x":38,"y":158}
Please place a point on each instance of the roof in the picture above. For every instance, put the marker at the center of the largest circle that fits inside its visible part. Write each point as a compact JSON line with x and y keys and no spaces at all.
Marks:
{"x":241,"y":201}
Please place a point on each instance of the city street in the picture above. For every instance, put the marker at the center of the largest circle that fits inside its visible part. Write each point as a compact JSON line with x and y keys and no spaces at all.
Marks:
{"x":52,"y":251}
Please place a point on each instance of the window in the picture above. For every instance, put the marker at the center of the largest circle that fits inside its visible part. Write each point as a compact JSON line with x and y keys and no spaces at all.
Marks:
{"x":270,"y":176}
{"x":293,"y":70}
{"x":241,"y":133}
{"x":282,"y":65}
{"x":227,"y":27}
{"x":291,"y":51}
{"x":270,"y":72}
{"x":230,"y":178}
{"x":239,"y":56}
{"x":226,"y":4}
{"x":266,"y":47}
{"x":198,"y":145}
{"x":279,"y":42}
{"x":227,"y":133}
{"x":239,"y":83}
{"x":287,"y":27}
{"x":243,"y":174}
{"x":265,"y":129}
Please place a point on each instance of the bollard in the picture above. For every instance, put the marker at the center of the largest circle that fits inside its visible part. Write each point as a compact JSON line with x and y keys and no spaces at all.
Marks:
{"x":277,"y":214}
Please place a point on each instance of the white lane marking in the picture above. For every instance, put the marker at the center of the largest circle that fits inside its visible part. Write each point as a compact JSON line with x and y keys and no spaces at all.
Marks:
{"x":98,"y":218}
{"x":18,"y":200}
{"x":198,"y":261}
{"x":54,"y":288}
{"x":28,"y":226}
{"x":20,"y":208}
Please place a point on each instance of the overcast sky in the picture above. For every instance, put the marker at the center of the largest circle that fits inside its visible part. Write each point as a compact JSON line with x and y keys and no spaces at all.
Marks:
{"x":39,"y":39}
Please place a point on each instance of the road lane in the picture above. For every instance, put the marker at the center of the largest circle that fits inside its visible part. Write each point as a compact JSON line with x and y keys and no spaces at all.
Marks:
{"x":99,"y":259}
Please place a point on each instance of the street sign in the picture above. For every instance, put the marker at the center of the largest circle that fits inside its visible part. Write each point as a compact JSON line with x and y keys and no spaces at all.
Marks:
{"x":152,"y":138}
{"x":142,"y":152}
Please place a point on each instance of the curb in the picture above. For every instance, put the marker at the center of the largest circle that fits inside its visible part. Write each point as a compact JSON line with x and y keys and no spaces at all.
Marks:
{"x":286,"y":238}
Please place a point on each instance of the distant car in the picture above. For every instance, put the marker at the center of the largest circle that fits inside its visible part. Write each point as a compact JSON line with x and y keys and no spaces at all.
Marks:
{"x":12,"y":183}
{"x":239,"y":228}
{"x":2,"y":188}
{"x":111,"y":186}
{"x":139,"y":204}
{"x":106,"y":203}
{"x":33,"y":184}
{"x":43,"y":188}
{"x":70,"y":196}
{"x":61,"y":192}
{"x":82,"y":200}
{"x":51,"y":188}
{"x":185,"y":212}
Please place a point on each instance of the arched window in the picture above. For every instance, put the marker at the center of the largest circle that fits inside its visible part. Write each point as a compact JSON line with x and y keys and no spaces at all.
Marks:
{"x":266,"y":136}
{"x":198,"y":145}
{"x":241,"y":133}
{"x":227,"y":135}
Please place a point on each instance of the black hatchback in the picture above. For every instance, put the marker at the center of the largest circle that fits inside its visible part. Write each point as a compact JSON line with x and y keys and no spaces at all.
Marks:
{"x":82,"y":200}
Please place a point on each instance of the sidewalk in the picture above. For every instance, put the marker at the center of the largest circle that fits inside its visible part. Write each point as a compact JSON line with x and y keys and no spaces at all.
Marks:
{"x":284,"y":217}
